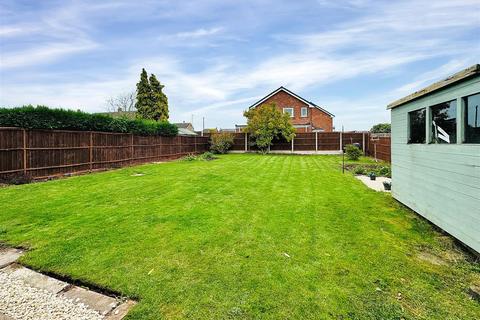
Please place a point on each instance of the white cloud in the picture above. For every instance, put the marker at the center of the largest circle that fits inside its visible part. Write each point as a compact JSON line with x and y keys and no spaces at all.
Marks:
{"x":198,"y":33}
{"x":384,"y":38}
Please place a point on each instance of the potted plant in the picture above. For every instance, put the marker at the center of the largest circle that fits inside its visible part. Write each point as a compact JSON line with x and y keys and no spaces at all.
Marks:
{"x":372,"y":176}
{"x":387,"y":185}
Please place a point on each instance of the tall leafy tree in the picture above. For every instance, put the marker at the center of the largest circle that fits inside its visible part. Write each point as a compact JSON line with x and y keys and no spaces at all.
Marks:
{"x":159,"y":110}
{"x":265,"y":123}
{"x":144,"y":97}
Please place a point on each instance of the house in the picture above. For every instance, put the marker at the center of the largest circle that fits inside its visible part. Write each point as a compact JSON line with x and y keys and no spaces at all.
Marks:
{"x":436,"y":154}
{"x":185,"y":129}
{"x":185,"y":125}
{"x":306,"y":116}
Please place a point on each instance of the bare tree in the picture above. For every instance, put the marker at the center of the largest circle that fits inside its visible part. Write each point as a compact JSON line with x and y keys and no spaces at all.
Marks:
{"x":124,"y":102}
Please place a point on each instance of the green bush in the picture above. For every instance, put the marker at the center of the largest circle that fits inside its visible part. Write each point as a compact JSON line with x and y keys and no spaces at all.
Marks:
{"x":189,"y":157}
{"x":207,"y":156}
{"x":359,"y":170}
{"x":353,"y":152}
{"x":221,"y":142}
{"x":384,"y":172}
{"x":41,"y":117}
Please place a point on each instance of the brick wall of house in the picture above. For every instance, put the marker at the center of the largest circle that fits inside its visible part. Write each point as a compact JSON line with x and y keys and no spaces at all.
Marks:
{"x":315,"y":117}
{"x":322,"y":120}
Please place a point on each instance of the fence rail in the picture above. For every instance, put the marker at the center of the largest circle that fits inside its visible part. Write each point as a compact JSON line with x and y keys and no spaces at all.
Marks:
{"x":42,"y":153}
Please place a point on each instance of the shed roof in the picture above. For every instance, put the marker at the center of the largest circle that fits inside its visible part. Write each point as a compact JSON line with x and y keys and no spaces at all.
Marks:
{"x":459,"y":76}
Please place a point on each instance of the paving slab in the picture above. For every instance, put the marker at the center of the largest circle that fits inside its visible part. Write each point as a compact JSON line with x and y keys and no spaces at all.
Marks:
{"x":9,"y":255}
{"x":121,"y":311}
{"x":35,"y":279}
{"x":96,"y":301}
{"x":376,"y":184}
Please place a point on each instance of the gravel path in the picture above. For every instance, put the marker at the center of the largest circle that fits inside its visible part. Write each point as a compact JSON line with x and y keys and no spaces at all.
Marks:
{"x":21,"y":301}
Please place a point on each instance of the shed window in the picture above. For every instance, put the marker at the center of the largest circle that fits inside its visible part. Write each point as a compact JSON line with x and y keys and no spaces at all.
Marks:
{"x":444,"y":122}
{"x":417,"y":124}
{"x":289,"y":111}
{"x":304,"y":112}
{"x":472,"y":118}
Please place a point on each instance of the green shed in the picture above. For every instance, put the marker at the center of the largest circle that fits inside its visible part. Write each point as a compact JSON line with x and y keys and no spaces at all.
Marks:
{"x":436,"y":154}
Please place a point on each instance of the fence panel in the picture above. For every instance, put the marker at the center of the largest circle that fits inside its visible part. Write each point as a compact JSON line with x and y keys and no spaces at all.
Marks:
{"x":379,"y":147}
{"x":42,"y":153}
{"x":12,"y":151}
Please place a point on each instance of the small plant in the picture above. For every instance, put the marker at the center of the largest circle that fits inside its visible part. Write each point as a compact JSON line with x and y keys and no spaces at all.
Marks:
{"x":207,"y":156}
{"x":189,"y":157}
{"x":387,"y":185}
{"x":372,"y":176}
{"x":384,"y":172}
{"x":16,"y":178}
{"x":221,"y":142}
{"x":353,"y":152}
{"x":359,"y":170}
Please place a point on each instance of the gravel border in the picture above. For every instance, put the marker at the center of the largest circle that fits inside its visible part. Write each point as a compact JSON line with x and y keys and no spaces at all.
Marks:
{"x":21,"y":301}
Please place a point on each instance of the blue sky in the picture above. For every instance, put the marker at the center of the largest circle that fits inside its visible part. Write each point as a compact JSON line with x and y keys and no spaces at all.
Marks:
{"x":215,"y":58}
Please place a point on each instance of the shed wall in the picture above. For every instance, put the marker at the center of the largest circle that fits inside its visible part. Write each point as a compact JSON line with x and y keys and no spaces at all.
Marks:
{"x":441,"y":182}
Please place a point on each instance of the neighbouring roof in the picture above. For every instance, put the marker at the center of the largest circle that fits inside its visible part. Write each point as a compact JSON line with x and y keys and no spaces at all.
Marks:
{"x":184,"y":125}
{"x":310,"y":104}
{"x":186,"y":132}
{"x":459,"y":76}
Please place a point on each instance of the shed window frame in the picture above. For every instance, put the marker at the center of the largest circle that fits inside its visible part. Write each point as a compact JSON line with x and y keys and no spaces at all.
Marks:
{"x":409,"y":123}
{"x":464,"y":121}
{"x":440,"y":131}
{"x":292,"y":113}
{"x":302,"y":110}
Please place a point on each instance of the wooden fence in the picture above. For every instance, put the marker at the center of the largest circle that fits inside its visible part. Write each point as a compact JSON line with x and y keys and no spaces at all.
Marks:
{"x":379,"y":147}
{"x":43,"y":153}
{"x":309,"y":142}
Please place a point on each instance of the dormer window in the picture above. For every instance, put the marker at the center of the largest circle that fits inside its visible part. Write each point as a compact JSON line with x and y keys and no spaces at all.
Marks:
{"x":289,"y":111}
{"x":304,"y":112}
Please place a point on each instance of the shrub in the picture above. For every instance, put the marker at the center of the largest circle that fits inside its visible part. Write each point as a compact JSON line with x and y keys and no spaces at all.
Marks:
{"x":384,"y":172}
{"x":207,"y":156}
{"x":221,"y":142}
{"x":359,"y":170}
{"x":15,"y":178}
{"x":41,"y":117}
{"x":189,"y":157}
{"x":353,"y":152}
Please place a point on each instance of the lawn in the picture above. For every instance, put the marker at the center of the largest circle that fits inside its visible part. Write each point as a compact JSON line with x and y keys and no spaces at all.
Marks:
{"x":244,"y":236}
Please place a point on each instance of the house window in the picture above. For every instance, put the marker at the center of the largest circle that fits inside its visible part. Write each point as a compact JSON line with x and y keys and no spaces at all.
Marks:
{"x":472,"y":118}
{"x":289,"y":111}
{"x":444,"y":122}
{"x":304,"y":112}
{"x":416,"y":120}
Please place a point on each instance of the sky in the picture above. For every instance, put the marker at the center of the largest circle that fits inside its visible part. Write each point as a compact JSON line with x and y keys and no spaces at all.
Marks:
{"x":216,"y":58}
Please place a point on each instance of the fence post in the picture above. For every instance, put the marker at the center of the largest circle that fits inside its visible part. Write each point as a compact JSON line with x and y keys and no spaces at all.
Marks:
{"x":341,"y":138}
{"x":316,"y":141}
{"x":375,"y":148}
{"x":293,"y":144}
{"x":195,"y":143}
{"x":131,"y":148}
{"x":24,"y":151}
{"x":363,"y":142}
{"x":246,"y":142}
{"x":90,"y":151}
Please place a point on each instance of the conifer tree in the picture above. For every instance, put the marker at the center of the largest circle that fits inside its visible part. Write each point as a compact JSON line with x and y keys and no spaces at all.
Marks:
{"x":159,"y":110}
{"x":144,"y":97}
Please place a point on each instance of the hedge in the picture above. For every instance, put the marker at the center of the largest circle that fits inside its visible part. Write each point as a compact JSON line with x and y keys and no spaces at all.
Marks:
{"x":41,"y":117}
